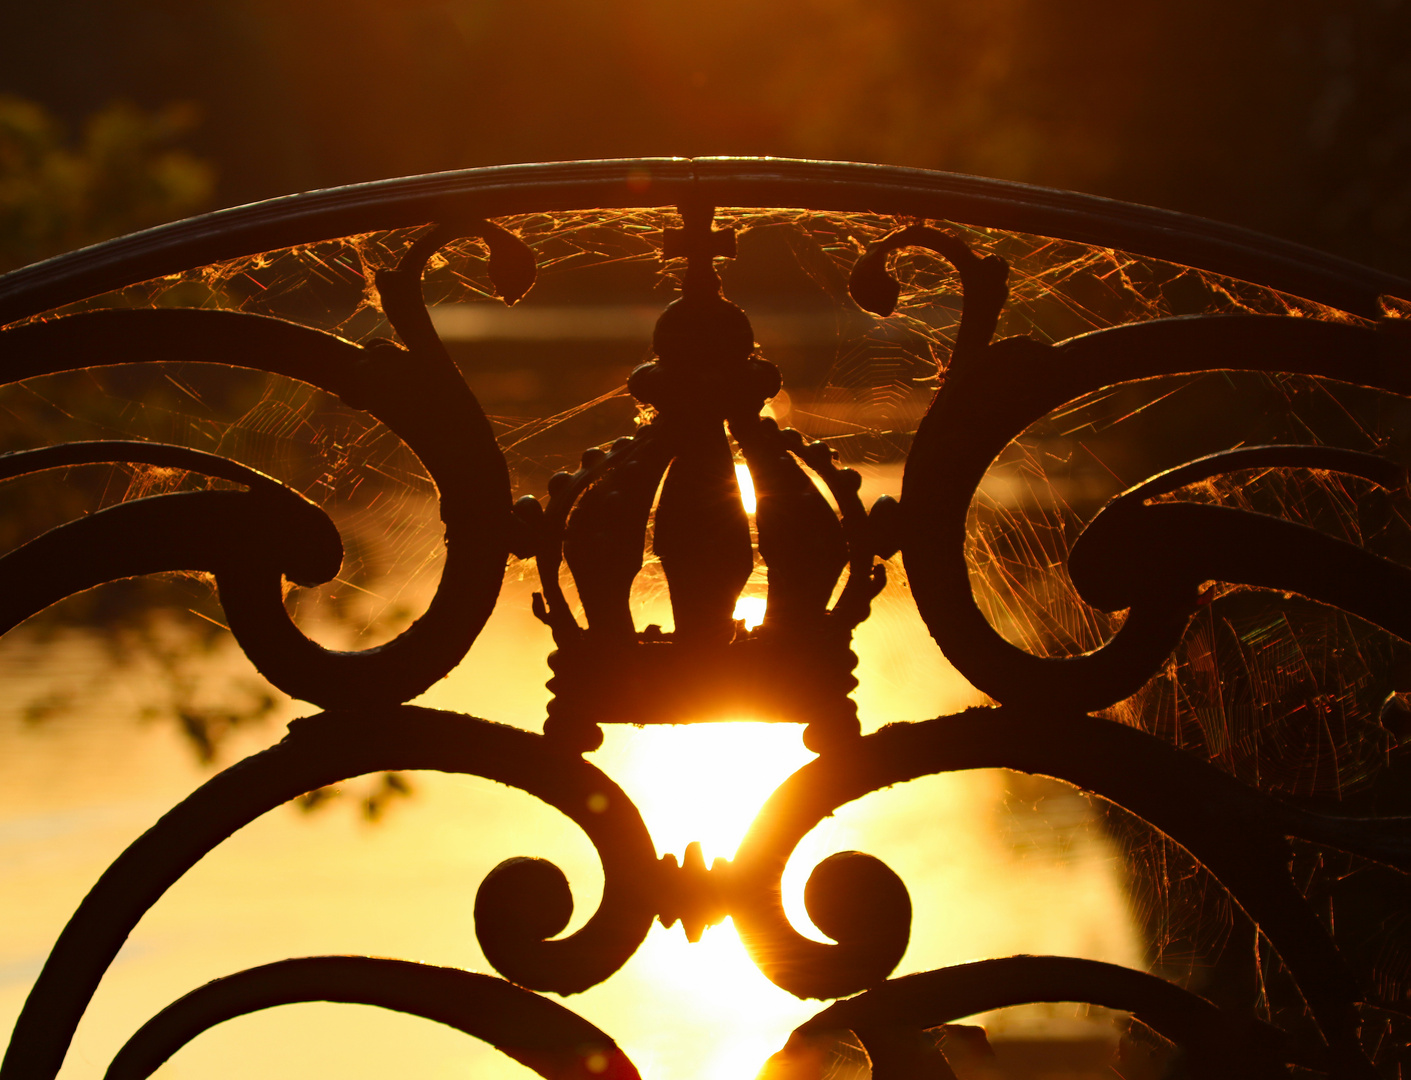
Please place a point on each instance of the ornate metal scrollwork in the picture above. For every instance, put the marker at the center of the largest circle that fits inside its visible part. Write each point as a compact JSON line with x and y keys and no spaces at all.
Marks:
{"x":669,"y":487}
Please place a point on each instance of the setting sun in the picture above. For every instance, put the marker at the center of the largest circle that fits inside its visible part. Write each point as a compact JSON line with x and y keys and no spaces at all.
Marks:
{"x":705,"y":783}
{"x":702,"y":782}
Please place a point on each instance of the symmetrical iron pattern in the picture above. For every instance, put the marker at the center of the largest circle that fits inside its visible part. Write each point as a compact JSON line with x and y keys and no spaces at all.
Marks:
{"x":669,"y":488}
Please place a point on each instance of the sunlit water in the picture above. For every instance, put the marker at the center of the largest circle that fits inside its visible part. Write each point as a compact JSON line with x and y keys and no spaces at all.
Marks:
{"x":78,"y":787}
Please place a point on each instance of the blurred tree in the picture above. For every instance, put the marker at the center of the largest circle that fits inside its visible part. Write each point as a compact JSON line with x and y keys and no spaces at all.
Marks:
{"x":122,"y":173}
{"x":1289,"y":116}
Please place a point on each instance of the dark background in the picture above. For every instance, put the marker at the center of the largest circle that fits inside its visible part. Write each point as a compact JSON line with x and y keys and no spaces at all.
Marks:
{"x":1286,"y":116}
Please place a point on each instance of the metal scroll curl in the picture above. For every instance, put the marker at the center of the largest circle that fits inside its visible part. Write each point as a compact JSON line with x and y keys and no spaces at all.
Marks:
{"x":555,"y":1042}
{"x":890,"y":1019}
{"x":327,"y":749}
{"x":1187,"y":799}
{"x":992,"y":391}
{"x":414,"y":389}
{"x":1133,"y":548}
{"x":267,"y":526}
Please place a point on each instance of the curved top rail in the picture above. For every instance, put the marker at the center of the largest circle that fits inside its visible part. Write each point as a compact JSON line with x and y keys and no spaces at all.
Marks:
{"x":722,"y":181}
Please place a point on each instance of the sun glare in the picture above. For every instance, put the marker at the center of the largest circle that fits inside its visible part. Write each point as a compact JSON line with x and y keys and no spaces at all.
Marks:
{"x":750,"y":610}
{"x":706,"y":783}
{"x":746,"y":482}
{"x":702,"y":782}
{"x":726,"y":1018}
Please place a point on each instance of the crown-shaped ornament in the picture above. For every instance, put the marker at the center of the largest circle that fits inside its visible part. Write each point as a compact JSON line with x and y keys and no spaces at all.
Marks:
{"x":676,"y":480}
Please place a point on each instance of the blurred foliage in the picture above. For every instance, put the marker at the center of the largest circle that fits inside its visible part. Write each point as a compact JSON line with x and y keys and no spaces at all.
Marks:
{"x":1290,"y":116}
{"x":121,"y":173}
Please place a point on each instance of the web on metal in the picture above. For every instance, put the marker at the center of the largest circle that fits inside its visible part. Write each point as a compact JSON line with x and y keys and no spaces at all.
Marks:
{"x":1288,"y":696}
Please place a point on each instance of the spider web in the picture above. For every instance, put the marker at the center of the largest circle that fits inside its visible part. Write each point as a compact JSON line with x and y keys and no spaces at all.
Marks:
{"x":1290,"y":697}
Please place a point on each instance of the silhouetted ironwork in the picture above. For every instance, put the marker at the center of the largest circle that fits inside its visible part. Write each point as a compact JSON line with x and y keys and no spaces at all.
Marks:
{"x":706,"y":388}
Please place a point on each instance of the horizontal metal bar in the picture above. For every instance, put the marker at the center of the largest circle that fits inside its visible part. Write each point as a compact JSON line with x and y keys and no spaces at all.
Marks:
{"x":654,"y":182}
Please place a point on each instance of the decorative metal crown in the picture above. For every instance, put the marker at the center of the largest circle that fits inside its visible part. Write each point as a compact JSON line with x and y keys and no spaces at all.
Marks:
{"x":796,"y":665}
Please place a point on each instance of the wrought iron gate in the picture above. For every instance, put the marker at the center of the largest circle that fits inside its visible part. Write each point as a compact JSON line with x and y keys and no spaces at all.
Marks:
{"x":996,"y":309}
